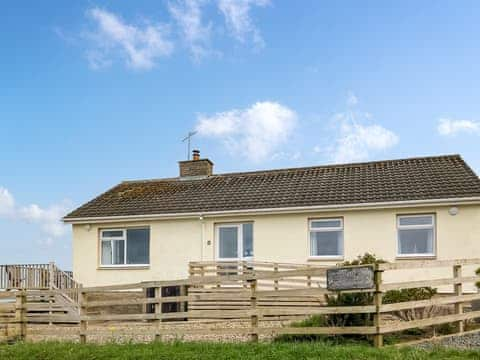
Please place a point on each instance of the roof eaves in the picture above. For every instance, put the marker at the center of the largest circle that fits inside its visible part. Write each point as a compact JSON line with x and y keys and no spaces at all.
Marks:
{"x":357,"y":206}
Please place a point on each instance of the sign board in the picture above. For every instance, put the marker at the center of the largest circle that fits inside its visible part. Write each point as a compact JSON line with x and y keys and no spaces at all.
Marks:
{"x":350,"y":278}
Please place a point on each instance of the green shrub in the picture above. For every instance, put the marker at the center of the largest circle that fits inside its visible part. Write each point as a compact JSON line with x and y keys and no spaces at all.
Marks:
{"x":353,"y":299}
{"x":312,"y":321}
{"x":349,"y":299}
{"x":362,"y":299}
{"x":367,"y":298}
{"x":365,"y":259}
{"x":404,"y":295}
{"x":446,"y":329}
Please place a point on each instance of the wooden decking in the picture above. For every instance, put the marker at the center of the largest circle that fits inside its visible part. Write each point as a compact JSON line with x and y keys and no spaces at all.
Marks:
{"x":62,"y":298}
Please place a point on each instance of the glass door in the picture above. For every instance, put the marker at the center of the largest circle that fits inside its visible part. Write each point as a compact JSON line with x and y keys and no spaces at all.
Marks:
{"x":234,"y":242}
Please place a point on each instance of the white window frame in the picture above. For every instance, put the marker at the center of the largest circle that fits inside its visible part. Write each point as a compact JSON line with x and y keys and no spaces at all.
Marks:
{"x":239,"y":227}
{"x":413,"y":227}
{"x":124,"y":238}
{"x":326,"y":229}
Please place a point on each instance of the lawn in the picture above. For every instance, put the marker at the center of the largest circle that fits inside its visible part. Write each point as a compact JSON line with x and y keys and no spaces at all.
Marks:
{"x":168,"y":351}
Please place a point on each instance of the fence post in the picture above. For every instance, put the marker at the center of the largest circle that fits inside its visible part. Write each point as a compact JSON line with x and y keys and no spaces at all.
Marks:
{"x":377,"y":317}
{"x":458,"y":288}
{"x":309,"y":278}
{"x":145,"y":307}
{"x":158,"y":313}
{"x":20,"y":314}
{"x":51,"y":276}
{"x":82,"y":303}
{"x":244,"y":272}
{"x":183,"y":292}
{"x":202,"y":275}
{"x":253,"y":308}
{"x":275,"y":282}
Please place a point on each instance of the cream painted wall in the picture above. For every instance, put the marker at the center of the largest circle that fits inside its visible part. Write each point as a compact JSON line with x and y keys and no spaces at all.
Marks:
{"x":172,"y":245}
{"x":282,"y":238}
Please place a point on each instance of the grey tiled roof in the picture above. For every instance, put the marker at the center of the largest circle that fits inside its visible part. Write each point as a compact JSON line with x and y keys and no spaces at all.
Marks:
{"x":439,"y":177}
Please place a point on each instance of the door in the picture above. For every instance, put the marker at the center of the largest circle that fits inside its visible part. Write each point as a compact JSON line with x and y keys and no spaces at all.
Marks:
{"x":234,"y":242}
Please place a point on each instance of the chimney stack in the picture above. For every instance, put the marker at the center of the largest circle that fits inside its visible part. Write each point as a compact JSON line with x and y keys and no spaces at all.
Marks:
{"x":195,"y":168}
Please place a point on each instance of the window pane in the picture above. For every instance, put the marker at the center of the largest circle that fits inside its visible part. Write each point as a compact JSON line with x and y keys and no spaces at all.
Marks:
{"x":106,"y":252}
{"x":228,"y":242}
{"x":247,"y":240}
{"x":112,"y":233}
{"x":118,"y":252}
{"x":138,"y":243}
{"x":416,"y":220}
{"x":326,"y":243}
{"x":318,"y":224}
{"x":416,"y":241}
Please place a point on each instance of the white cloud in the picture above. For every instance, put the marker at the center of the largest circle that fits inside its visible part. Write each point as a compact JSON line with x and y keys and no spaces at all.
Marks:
{"x":190,"y":22}
{"x":357,"y":138}
{"x":448,"y":127}
{"x":238,"y":19}
{"x":140,"y":45}
{"x":7,"y":203}
{"x":255,"y":132}
{"x":196,"y":34}
{"x":48,"y":219}
{"x":357,"y":141}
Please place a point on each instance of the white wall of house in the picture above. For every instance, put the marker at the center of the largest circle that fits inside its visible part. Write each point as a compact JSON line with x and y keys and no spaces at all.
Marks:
{"x":281,"y":237}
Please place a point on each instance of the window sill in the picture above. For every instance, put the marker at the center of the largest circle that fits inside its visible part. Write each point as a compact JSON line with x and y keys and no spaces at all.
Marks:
{"x":124,"y":267}
{"x":325,"y":258}
{"x":416,"y":257}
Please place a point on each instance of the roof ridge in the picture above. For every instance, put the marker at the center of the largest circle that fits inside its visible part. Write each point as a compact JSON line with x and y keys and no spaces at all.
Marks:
{"x":344,"y":165}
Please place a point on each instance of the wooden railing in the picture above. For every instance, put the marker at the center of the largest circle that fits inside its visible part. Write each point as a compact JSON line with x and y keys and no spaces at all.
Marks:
{"x":39,"y":277}
{"x":254,"y":300}
{"x":34,"y":276}
{"x":63,"y":280}
{"x":24,"y":276}
{"x":223,"y":268}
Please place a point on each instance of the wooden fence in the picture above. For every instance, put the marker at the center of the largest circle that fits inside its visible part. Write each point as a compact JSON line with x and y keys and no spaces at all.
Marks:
{"x":251,"y":300}
{"x":28,"y":309}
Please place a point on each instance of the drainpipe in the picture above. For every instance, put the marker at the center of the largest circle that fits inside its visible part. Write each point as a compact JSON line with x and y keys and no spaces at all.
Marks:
{"x":202,"y":235}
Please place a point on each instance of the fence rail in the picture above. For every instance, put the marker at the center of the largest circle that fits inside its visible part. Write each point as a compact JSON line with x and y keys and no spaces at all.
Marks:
{"x":249,"y":299}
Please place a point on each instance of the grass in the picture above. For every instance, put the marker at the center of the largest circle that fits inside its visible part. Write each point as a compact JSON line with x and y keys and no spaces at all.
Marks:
{"x":216,"y":351}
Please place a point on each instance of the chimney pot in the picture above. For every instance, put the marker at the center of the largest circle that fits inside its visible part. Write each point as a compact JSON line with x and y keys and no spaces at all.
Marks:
{"x":196,"y":155}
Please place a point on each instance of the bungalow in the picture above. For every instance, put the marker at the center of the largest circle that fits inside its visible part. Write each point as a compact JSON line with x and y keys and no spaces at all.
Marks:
{"x":417,"y":208}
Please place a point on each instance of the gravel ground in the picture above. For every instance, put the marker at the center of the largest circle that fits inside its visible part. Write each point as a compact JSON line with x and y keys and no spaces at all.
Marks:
{"x":467,"y":341}
{"x":141,"y":332}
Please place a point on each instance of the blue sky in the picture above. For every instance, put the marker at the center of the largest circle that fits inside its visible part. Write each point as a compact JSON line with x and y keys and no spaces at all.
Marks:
{"x":95,"y":92}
